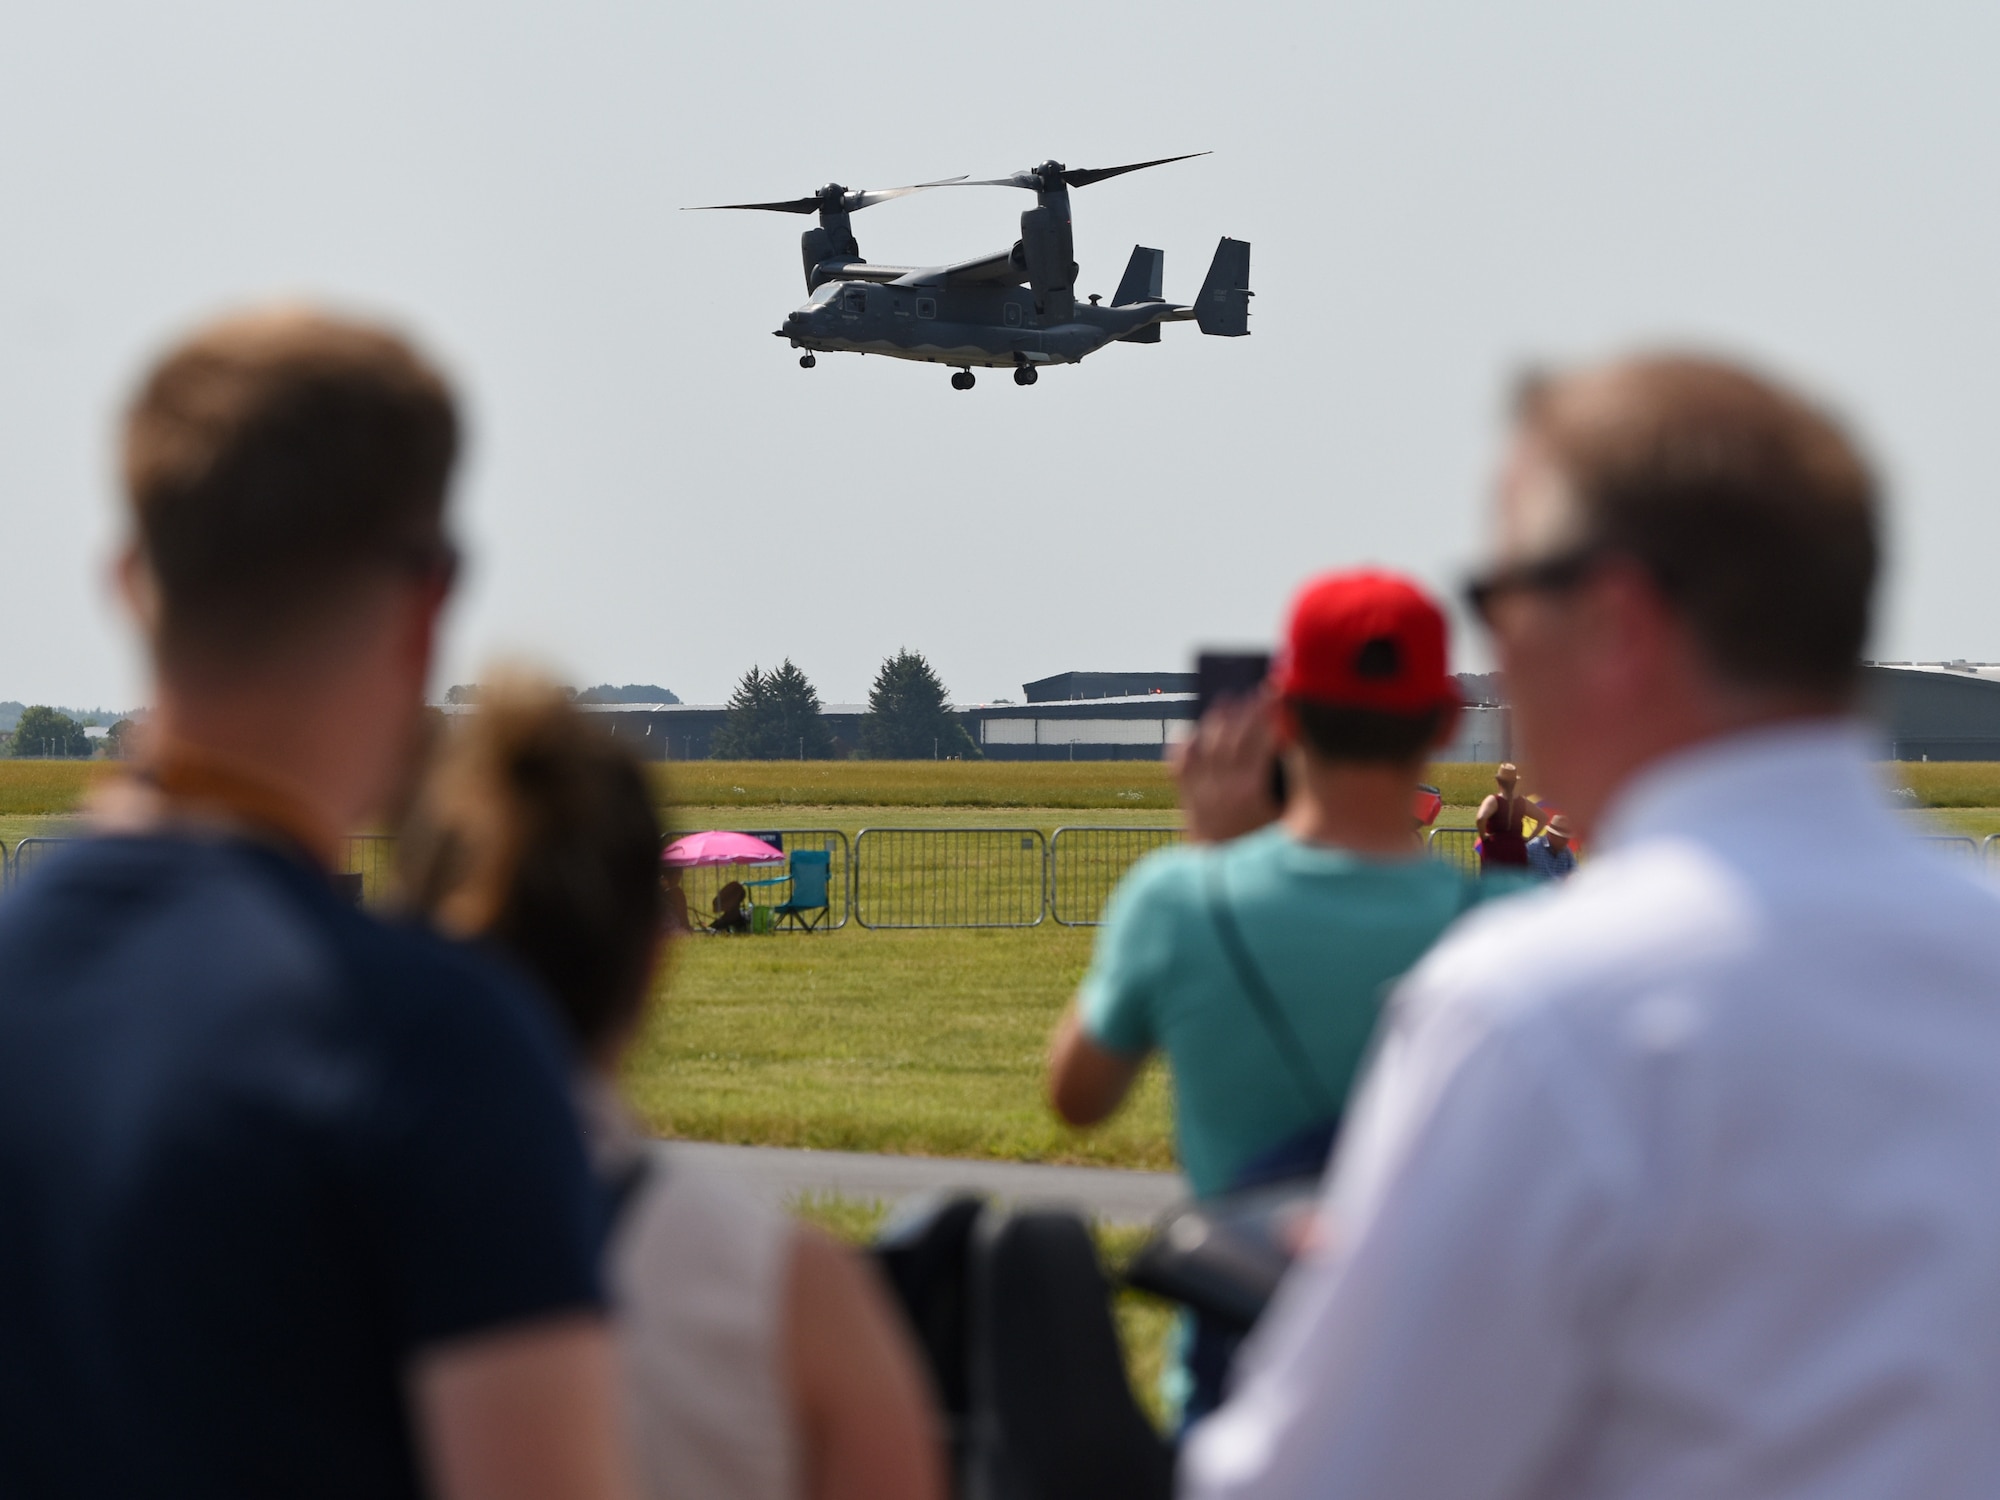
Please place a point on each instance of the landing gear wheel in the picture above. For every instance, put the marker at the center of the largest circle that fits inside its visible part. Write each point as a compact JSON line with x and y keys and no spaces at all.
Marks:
{"x":806,"y":361}
{"x":1025,"y":375}
{"x":962,"y":381}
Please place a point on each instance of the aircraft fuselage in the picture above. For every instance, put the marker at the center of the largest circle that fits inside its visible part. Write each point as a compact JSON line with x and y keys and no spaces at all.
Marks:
{"x":957,"y":324}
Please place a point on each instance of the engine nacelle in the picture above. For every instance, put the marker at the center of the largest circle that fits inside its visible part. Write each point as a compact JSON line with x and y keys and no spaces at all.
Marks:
{"x":1049,"y":251}
{"x":817,"y":245}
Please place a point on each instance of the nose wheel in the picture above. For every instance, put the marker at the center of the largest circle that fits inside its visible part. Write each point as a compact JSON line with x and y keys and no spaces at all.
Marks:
{"x":1025,"y":375}
{"x":807,"y":361}
{"x":962,"y":381}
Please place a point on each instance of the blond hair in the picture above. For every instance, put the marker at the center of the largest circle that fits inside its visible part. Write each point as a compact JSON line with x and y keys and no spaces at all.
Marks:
{"x":534,"y":830}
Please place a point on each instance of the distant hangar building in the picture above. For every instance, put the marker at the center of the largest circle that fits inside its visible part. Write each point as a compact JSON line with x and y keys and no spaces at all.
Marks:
{"x":1137,"y":715}
{"x":1071,"y":716}
{"x":1937,"y":710}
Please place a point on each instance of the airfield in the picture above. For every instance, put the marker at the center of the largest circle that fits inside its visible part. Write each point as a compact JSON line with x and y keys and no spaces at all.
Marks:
{"x":924,"y":1042}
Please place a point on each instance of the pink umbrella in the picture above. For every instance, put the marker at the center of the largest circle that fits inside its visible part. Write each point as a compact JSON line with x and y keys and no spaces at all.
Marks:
{"x":720,"y":847}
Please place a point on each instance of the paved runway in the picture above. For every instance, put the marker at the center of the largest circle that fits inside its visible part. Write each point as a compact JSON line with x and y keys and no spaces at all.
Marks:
{"x":1116,"y":1197}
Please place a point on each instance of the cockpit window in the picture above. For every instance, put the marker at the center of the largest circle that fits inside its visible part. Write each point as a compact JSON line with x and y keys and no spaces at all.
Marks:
{"x":854,"y":303}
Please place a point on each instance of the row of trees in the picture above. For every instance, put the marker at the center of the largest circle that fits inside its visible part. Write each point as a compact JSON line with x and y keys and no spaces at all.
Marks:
{"x":45,"y":733}
{"x":775,"y":715}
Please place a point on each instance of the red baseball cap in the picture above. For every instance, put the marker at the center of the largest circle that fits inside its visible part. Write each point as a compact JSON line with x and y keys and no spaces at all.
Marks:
{"x":1366,"y":640}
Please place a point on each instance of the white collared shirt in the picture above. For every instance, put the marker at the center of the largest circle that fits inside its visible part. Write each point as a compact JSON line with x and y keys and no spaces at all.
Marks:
{"x":1680,"y":1179}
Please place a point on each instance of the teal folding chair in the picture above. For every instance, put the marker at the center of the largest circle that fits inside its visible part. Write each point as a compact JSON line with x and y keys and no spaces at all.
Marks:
{"x":807,"y":906}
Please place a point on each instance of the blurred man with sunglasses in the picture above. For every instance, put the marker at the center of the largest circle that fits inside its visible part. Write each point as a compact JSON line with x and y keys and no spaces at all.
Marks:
{"x":1681,"y":1177}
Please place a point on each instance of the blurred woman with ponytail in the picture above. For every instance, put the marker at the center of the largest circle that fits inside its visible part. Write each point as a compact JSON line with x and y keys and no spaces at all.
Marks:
{"x":762,"y":1360}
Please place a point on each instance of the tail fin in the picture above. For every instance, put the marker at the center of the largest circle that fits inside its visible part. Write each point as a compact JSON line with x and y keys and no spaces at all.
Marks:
{"x":1144,"y":273}
{"x":1223,"y":308}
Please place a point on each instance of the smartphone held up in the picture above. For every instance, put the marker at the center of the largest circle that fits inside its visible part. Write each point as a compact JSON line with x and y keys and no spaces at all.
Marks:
{"x":1225,"y":675}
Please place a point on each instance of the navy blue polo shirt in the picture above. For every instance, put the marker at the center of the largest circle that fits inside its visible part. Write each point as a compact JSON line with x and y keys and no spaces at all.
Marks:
{"x":257,"y":1149}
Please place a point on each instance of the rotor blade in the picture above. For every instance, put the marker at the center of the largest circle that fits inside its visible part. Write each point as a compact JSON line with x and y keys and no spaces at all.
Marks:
{"x":1026,"y":180}
{"x":790,"y":206}
{"x":860,"y":199}
{"x":1085,"y":176}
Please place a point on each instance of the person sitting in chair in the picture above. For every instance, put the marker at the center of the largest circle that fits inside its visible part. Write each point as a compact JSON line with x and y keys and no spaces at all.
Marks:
{"x":673,"y":901}
{"x":731,"y":914}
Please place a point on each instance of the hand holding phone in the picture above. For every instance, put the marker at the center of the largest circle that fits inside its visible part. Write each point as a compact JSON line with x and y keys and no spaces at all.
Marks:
{"x":1230,"y":780}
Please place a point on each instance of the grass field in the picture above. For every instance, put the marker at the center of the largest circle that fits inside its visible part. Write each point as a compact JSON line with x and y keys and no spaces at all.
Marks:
{"x":920,"y":1043}
{"x":1132,"y":785}
{"x":923,"y":1042}
{"x":29,"y":787}
{"x":32,"y":787}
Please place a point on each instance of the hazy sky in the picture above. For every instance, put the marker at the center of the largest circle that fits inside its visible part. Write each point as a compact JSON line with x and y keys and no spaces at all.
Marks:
{"x":1434,"y":193}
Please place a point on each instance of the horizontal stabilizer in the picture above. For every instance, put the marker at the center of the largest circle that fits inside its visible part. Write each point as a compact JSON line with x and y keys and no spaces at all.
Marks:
{"x":1223,"y":308}
{"x":1144,"y":274}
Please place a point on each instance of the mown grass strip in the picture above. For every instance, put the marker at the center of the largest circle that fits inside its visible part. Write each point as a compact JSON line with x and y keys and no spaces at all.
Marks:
{"x":31,"y":787}
{"x":1127,"y":785}
{"x":39,"y":787}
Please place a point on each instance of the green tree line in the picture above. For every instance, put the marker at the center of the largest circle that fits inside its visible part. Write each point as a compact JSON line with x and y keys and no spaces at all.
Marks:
{"x":776,"y":715}
{"x":44,"y":733}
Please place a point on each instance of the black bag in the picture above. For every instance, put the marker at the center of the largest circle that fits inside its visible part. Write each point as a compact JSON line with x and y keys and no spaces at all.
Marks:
{"x":1013,"y":1314}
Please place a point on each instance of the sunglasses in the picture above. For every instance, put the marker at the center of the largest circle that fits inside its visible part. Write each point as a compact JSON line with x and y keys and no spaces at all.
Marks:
{"x":436,"y":559}
{"x":1552,"y":575}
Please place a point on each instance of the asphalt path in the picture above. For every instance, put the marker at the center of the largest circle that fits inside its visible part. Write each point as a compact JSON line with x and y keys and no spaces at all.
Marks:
{"x":779,"y":1174}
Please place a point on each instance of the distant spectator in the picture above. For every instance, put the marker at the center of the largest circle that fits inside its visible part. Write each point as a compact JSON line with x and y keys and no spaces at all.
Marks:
{"x":673,"y":901}
{"x":1549,"y":853}
{"x":762,"y":1361}
{"x":1502,"y":843}
{"x":729,"y":907}
{"x":292,"y":1201}
{"x":1683,"y":1177}
{"x":1257,"y":965}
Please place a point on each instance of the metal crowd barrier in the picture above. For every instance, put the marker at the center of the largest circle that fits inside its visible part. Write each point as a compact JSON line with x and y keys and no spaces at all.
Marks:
{"x":701,"y":882}
{"x":1457,"y":846}
{"x":1954,"y":843}
{"x":3,"y":864}
{"x":372,"y":856}
{"x":31,"y":852}
{"x":950,"y":877}
{"x":1086,"y":862}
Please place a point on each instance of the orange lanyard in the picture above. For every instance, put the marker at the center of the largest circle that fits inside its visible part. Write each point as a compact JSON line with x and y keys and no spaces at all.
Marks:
{"x":201,"y":782}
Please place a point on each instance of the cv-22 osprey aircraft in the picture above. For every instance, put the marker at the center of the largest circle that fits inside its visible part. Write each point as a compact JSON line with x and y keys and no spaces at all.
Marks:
{"x":1016,"y":309}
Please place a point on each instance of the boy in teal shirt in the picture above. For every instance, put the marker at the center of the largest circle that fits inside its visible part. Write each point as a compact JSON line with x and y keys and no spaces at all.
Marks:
{"x":1257,"y":959}
{"x":1328,"y":931}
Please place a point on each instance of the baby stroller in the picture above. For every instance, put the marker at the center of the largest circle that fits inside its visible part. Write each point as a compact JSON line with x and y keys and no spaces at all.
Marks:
{"x":1013,"y":1313}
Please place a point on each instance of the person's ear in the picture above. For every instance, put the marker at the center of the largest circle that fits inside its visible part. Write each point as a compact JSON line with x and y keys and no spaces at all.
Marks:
{"x":1284,"y":723}
{"x":421,"y":613}
{"x":137,"y":587}
{"x":1631,"y":639}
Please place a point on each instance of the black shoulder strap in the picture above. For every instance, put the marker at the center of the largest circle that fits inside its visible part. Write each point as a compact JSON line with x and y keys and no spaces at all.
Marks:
{"x":624,"y":1185}
{"x":1277,"y":1026}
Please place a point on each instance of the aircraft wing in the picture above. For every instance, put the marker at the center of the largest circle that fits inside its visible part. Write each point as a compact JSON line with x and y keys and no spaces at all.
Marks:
{"x":861,"y":270}
{"x":1001,"y":269}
